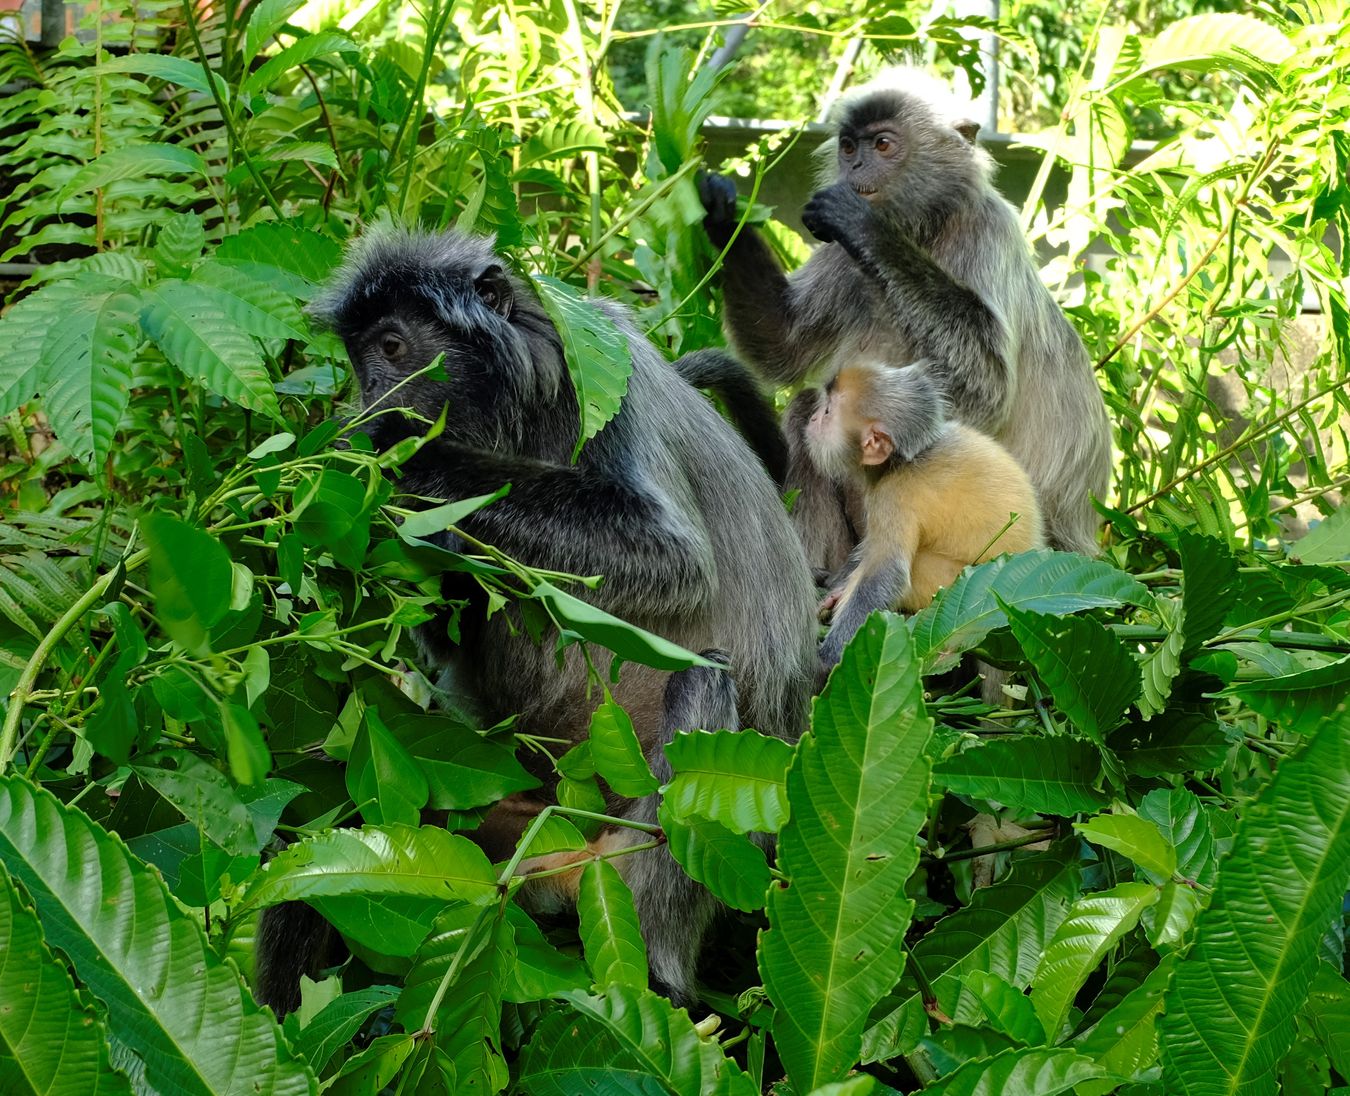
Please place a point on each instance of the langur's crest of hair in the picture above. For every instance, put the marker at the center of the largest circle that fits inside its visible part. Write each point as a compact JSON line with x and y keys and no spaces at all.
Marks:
{"x":906,"y":402}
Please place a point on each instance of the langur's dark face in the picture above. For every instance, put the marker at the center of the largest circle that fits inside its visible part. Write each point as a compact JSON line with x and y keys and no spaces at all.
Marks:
{"x":881,"y":134}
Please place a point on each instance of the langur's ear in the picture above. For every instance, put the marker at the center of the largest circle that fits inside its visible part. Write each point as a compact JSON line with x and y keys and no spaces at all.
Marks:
{"x":494,"y":290}
{"x":968,"y":128}
{"x":877,"y":444}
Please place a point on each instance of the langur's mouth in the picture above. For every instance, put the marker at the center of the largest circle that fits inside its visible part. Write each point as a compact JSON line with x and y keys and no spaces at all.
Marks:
{"x":868,"y":192}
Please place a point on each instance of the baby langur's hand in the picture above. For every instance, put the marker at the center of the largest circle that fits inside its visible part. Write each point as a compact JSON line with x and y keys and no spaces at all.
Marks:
{"x":827,"y":605}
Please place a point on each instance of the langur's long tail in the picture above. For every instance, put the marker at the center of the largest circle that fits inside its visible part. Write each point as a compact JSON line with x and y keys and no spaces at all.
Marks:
{"x":751,"y":411}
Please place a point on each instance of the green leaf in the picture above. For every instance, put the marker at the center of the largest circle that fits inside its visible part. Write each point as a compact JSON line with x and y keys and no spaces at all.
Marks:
{"x":179,"y":243}
{"x":425,"y":523}
{"x":1091,"y":676}
{"x":1094,"y":924}
{"x":266,"y":19}
{"x":1231,"y":1005}
{"x":1326,"y":542}
{"x":729,"y":864}
{"x":190,"y":578}
{"x":250,"y":760}
{"x":168,"y":997}
{"x":597,"y":353}
{"x":25,"y":328}
{"x":338,"y":1022}
{"x":254,"y":304}
{"x":1042,"y":775}
{"x":376,"y":860}
{"x":191,"y":325}
{"x":312,"y":46}
{"x":1185,"y":826}
{"x":51,"y":1042}
{"x":540,"y":969}
{"x":1042,"y":581}
{"x":1023,"y":1071}
{"x":133,"y":162}
{"x":1214,"y":40}
{"x":1004,"y":930}
{"x":1002,"y":1005}
{"x":1125,"y":1040}
{"x":617,"y":753}
{"x":858,"y":790}
{"x":1328,"y":1012}
{"x":370,"y":1071}
{"x":333,"y":511}
{"x":478,"y":945}
{"x":609,"y":928}
{"x":1167,"y":923}
{"x":1134,"y":837}
{"x":283,"y":247}
{"x":629,"y":642}
{"x":737,"y":778}
{"x":382,"y":777}
{"x":162,"y":66}
{"x":1177,"y":741}
{"x":1301,"y":702}
{"x":204,"y":796}
{"x":88,"y":362}
{"x":626,"y":1042}
{"x":463,"y":769}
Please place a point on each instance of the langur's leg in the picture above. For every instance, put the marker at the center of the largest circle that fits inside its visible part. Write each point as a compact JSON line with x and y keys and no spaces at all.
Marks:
{"x":672,"y":909}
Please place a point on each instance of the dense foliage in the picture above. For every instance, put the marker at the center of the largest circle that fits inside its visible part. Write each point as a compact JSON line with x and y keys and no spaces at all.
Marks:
{"x":1131,"y":880}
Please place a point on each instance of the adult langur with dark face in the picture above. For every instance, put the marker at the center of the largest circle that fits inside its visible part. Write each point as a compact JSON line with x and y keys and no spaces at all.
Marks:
{"x":923,"y":263}
{"x":666,"y":502}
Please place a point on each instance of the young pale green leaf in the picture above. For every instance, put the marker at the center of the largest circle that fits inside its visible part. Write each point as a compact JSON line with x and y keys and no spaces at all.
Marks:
{"x":737,"y":778}
{"x":1042,"y":581}
{"x":1231,"y":1005}
{"x":1214,"y":40}
{"x":597,"y":353}
{"x":133,"y":162}
{"x":1032,"y":773}
{"x":427,"y":523}
{"x":610,"y":935}
{"x":1125,"y":1041}
{"x":617,"y":753}
{"x":1185,"y":825}
{"x":189,"y":323}
{"x":312,"y":46}
{"x":338,"y":1022}
{"x":858,"y":790}
{"x":1004,"y":930}
{"x":1167,"y":923}
{"x":1026,"y":1071}
{"x":1301,"y":702}
{"x":382,"y":777}
{"x":168,"y":997}
{"x":729,"y":864}
{"x":1326,"y":542}
{"x":88,"y":361}
{"x":250,"y":760}
{"x":556,"y":834}
{"x":475,"y":948}
{"x":626,"y":1042}
{"x":995,"y":1001}
{"x":51,"y":1042}
{"x":1089,"y":673}
{"x":1094,"y":923}
{"x":1134,"y":837}
{"x":204,"y":796}
{"x":626,"y":640}
{"x":190,"y":577}
{"x":376,"y":860}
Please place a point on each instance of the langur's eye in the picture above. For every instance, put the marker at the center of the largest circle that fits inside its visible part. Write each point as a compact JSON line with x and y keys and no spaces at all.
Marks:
{"x":846,"y":146}
{"x":884,"y":145}
{"x":392,"y":347}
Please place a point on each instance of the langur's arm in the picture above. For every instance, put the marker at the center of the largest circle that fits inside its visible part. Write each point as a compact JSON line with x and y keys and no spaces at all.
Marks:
{"x":878,"y":584}
{"x":961,"y":340}
{"x":588,"y":519}
{"x":767,"y":324}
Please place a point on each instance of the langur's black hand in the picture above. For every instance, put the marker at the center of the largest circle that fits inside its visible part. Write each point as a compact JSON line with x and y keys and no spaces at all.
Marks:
{"x":838,"y":214}
{"x":718,"y":194}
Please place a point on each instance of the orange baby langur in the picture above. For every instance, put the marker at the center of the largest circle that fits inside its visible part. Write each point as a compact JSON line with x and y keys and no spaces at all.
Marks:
{"x":938,"y":495}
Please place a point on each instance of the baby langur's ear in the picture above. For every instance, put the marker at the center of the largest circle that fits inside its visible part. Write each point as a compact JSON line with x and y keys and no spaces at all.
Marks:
{"x":877,"y":444}
{"x":494,"y":290}
{"x":968,"y":128}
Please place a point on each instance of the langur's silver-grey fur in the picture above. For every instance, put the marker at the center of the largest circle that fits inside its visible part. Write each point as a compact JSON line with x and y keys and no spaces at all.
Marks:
{"x":667,"y":502}
{"x":922,"y":262}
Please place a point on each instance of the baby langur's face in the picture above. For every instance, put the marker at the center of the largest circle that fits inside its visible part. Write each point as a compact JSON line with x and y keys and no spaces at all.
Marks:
{"x":833,"y":437}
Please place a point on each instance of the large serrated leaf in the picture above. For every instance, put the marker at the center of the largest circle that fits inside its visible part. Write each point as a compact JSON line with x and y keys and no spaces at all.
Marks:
{"x":598,"y":356}
{"x":1125,"y":1040}
{"x":729,"y":864}
{"x":257,"y":306}
{"x":609,"y":927}
{"x":51,"y":1043}
{"x":1093,"y":925}
{"x":1231,"y":1005}
{"x":303,"y":252}
{"x":198,"y":336}
{"x":858,"y":790}
{"x":1299,"y":702}
{"x":1089,"y":673}
{"x":87,"y":366}
{"x":1214,"y":40}
{"x":1182,"y":821}
{"x":1027,"y":1071}
{"x":168,"y":996}
{"x":1045,"y":775}
{"x":25,"y":327}
{"x":324,"y":44}
{"x":627,"y":1042}
{"x":1004,"y":931}
{"x":737,"y":778}
{"x":134,"y":162}
{"x":376,"y":860}
{"x":1041,"y":581}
